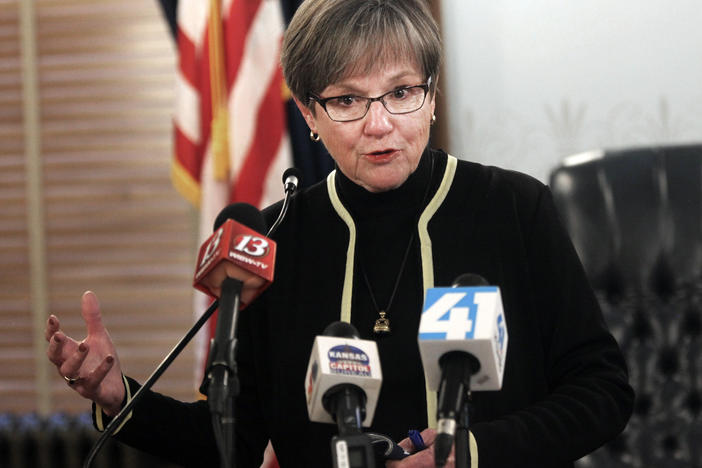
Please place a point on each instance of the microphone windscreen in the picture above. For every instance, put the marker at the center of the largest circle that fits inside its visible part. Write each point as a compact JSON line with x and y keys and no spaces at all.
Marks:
{"x":242,"y":213}
{"x":467,"y":280}
{"x":292,"y":172}
{"x":341,"y":330}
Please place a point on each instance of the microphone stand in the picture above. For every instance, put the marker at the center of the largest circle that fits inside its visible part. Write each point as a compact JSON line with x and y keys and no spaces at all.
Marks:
{"x":222,"y":383}
{"x":177,"y":349}
{"x":454,"y":407}
{"x":283,"y":211}
{"x":351,"y":448}
{"x":463,"y":433}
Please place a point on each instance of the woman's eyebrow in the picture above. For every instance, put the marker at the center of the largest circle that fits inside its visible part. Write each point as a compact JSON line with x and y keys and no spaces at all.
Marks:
{"x":342,"y":88}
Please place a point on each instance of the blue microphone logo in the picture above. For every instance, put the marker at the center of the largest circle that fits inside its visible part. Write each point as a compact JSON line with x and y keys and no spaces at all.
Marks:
{"x":451,"y":313}
{"x":349,"y":360}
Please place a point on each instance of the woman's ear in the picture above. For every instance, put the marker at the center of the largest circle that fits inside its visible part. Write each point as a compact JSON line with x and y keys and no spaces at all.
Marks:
{"x":307,"y":114}
{"x":432,"y":102}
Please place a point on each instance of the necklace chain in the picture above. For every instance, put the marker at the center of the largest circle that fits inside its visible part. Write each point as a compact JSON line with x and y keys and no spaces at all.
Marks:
{"x":382,"y":324}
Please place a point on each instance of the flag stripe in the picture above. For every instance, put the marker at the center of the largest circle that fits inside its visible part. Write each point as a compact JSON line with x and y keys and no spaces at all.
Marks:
{"x":192,"y":18}
{"x":270,"y":124}
{"x":205,"y":89}
{"x":187,"y":117}
{"x":239,"y":21}
{"x":188,"y":58}
{"x":260,"y":62}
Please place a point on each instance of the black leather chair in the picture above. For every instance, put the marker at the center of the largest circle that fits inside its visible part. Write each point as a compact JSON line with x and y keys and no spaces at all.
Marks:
{"x":635,"y":217}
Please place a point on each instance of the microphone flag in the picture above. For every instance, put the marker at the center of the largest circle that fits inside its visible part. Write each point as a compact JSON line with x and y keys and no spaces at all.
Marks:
{"x":468,"y":319}
{"x":340,"y":360}
{"x":241,"y":245}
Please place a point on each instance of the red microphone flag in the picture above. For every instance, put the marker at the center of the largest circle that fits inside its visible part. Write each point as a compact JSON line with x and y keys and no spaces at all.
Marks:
{"x":244,"y":247}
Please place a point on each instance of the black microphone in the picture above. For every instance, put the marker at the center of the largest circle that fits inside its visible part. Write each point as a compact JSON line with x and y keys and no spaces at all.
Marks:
{"x":468,"y":280}
{"x":342,"y":385}
{"x":221,"y":384}
{"x":292,"y":177}
{"x":346,"y":401}
{"x":221,"y":365}
{"x":243,"y":213}
{"x":463,"y":329}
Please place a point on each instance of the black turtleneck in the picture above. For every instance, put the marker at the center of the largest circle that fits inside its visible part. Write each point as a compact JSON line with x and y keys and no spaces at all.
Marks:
{"x":385,"y":224}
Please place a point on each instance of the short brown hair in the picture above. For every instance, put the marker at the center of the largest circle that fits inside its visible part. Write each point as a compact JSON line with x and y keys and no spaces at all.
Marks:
{"x":328,"y":40}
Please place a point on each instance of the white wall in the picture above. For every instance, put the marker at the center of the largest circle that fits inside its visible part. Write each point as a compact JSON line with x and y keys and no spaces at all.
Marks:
{"x":531,"y":81}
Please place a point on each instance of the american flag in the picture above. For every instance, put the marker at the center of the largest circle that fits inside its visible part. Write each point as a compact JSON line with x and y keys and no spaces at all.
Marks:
{"x":231,"y":143}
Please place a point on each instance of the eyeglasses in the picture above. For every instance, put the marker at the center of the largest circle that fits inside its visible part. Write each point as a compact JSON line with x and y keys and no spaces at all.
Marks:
{"x":350,"y":107}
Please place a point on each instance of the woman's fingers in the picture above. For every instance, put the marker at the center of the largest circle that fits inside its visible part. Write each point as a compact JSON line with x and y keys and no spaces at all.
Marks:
{"x":90,"y":310}
{"x":53,"y":352}
{"x":428,"y":435}
{"x":90,"y":367}
{"x":71,"y":366}
{"x":407,"y":445}
{"x":52,"y":326}
{"x":60,"y":346}
{"x":92,"y":381}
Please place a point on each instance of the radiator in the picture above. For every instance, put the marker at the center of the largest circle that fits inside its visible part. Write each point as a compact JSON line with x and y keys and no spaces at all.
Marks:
{"x":62,"y":441}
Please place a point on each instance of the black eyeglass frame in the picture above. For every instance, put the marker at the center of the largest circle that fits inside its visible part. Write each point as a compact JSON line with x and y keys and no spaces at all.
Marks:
{"x":370,"y":100}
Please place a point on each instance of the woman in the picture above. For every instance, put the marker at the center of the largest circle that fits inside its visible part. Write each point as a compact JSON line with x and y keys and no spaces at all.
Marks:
{"x":394,"y":219}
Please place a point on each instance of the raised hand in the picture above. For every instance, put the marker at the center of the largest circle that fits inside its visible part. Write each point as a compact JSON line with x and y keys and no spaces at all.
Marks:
{"x":90,"y":367}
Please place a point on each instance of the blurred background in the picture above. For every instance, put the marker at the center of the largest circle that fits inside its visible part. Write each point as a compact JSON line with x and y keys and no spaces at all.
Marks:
{"x":92,"y":187}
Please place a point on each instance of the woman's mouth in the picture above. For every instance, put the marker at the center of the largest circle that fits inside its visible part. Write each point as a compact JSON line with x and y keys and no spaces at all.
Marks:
{"x":381,"y":155}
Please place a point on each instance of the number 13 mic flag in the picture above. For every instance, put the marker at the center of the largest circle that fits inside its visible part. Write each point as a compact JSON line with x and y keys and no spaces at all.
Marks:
{"x":231,"y":143}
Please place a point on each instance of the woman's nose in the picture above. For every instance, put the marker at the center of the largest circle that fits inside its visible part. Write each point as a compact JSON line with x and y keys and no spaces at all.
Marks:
{"x":378,"y":119}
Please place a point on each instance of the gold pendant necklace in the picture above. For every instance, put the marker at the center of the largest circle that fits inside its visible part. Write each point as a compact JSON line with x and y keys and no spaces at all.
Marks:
{"x":382,"y":323}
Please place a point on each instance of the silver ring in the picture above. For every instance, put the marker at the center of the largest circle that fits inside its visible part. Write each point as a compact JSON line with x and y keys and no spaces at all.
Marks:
{"x":70,"y":380}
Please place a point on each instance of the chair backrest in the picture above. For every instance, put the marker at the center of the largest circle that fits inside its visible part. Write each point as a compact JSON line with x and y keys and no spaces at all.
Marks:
{"x":635,"y":217}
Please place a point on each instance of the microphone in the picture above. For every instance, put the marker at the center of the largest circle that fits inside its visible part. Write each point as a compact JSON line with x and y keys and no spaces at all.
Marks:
{"x":342,"y":385}
{"x":291,"y":179}
{"x":237,"y":240}
{"x":248,"y":258}
{"x":343,"y":367}
{"x":463,"y":329}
